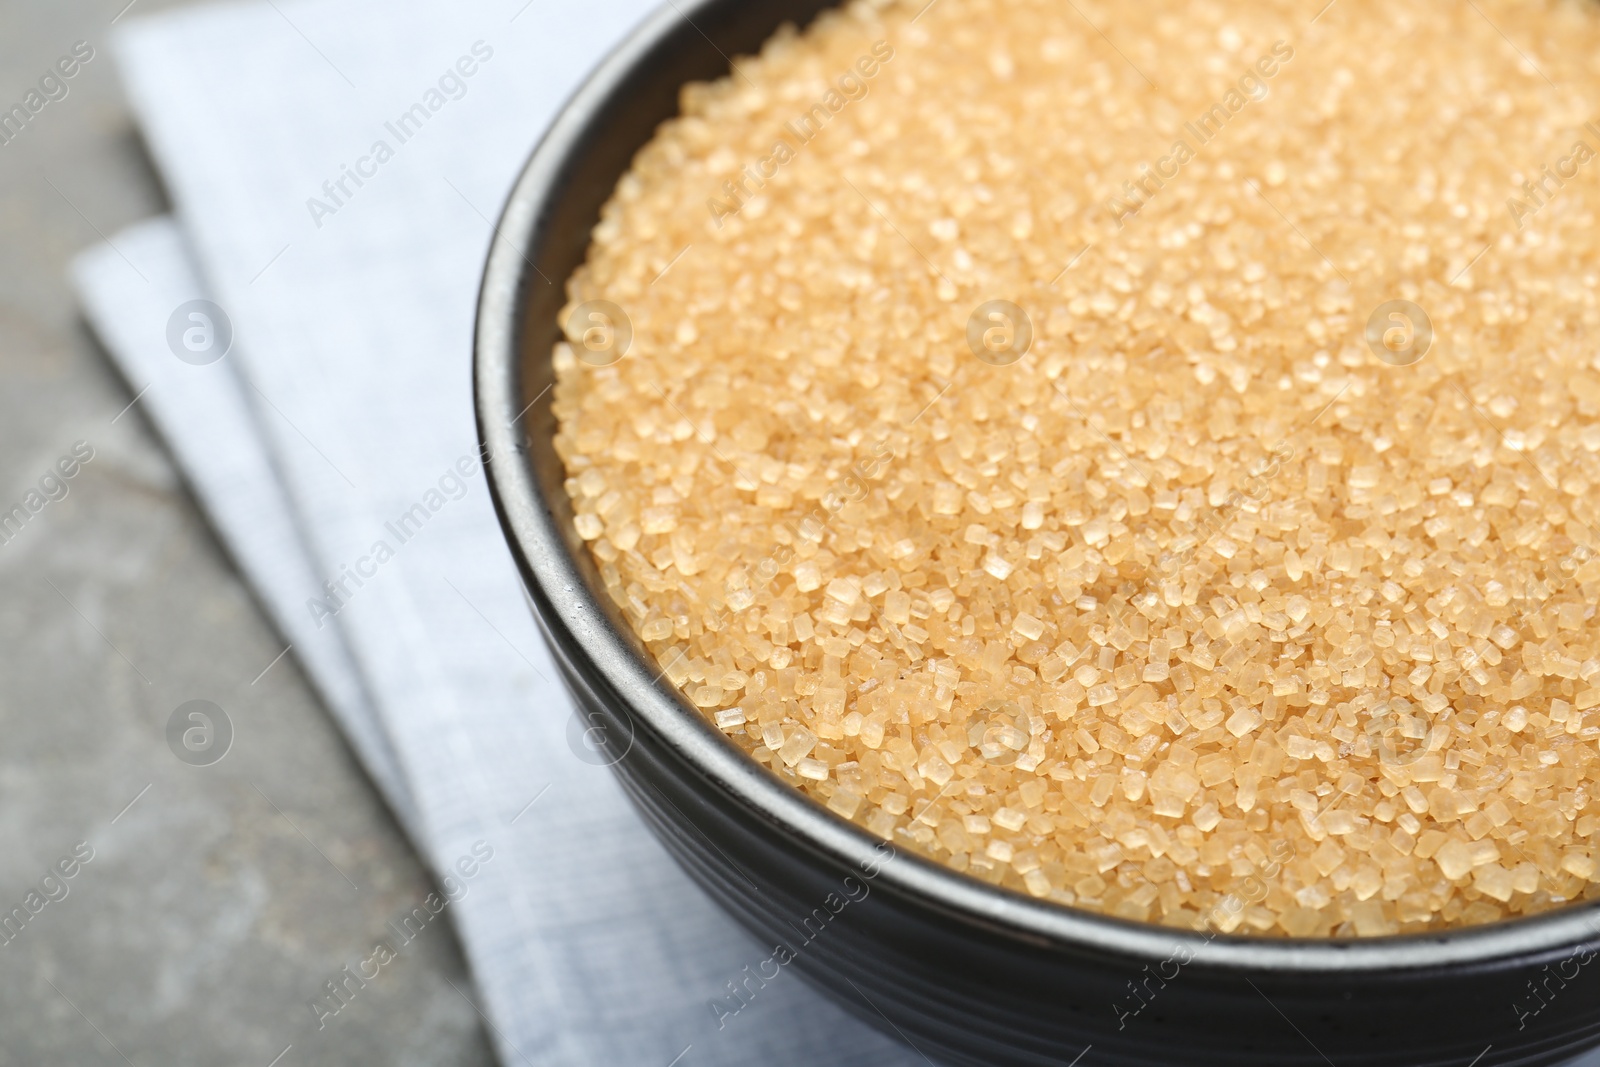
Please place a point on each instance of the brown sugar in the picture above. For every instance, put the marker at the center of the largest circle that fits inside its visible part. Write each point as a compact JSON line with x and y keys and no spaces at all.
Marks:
{"x":1147,"y":461}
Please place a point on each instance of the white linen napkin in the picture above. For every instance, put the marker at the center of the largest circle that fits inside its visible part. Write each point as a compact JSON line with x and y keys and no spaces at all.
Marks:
{"x":204,"y":412}
{"x":341,"y":420}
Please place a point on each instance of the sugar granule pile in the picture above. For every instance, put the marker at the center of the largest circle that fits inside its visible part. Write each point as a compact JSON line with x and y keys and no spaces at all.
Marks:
{"x":1171,"y":593}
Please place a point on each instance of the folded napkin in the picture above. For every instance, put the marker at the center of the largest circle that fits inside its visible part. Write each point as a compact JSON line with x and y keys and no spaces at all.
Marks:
{"x":335,"y":166}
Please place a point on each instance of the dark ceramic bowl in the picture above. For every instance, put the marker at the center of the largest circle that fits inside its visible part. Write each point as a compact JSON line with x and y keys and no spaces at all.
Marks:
{"x":970,"y":973}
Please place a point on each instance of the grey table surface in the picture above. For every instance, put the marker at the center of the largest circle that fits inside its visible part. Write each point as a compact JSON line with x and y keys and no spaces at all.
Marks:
{"x":219,"y":899}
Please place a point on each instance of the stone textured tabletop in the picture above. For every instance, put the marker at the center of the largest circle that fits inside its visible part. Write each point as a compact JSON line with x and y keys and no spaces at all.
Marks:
{"x":206,"y":905}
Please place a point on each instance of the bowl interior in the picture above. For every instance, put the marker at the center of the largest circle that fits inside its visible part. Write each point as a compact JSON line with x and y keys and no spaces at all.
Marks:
{"x":542,"y":237}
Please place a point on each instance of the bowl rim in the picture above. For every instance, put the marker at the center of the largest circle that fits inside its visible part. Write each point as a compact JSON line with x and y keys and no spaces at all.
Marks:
{"x":576,"y":617}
